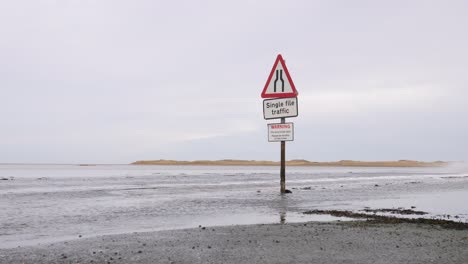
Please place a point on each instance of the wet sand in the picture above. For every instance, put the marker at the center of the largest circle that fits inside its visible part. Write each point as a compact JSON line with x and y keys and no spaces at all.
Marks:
{"x":341,"y":242}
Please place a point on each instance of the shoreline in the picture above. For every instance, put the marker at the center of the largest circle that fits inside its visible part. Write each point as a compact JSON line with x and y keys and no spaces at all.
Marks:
{"x":310,"y":242}
{"x":342,"y":163}
{"x":233,"y":162}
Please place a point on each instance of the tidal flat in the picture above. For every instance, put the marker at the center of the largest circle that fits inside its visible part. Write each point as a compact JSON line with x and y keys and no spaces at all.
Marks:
{"x":49,"y":210}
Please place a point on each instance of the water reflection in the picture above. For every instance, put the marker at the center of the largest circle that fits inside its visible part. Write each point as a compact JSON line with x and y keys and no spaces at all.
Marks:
{"x":282,"y":217}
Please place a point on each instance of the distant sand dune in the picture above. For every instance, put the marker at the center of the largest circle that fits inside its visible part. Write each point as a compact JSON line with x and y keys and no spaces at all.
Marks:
{"x":298,"y":162}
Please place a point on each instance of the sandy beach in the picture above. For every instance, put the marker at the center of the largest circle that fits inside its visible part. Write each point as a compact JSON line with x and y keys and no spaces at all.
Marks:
{"x":341,"y":242}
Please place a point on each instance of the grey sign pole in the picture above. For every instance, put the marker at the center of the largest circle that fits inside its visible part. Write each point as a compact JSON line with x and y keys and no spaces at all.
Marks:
{"x":283,"y":162}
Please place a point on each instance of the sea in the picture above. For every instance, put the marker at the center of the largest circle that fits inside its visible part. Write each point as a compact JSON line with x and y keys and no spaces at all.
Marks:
{"x":51,"y":203}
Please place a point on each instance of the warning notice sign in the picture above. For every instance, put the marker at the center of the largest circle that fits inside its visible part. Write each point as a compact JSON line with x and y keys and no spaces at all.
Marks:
{"x":281,"y":132}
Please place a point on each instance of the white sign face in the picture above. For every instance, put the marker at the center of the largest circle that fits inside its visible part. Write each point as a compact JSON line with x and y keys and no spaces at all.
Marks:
{"x":280,"y":107}
{"x":281,"y":132}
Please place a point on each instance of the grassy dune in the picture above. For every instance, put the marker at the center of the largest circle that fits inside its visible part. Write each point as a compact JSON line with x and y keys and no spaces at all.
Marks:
{"x":341,"y":163}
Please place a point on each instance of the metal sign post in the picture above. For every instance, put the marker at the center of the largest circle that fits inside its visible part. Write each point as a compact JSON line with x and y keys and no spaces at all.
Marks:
{"x":283,"y":163}
{"x":281,"y":89}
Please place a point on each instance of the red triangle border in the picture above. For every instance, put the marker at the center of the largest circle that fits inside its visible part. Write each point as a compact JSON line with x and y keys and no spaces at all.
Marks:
{"x":294,"y":93}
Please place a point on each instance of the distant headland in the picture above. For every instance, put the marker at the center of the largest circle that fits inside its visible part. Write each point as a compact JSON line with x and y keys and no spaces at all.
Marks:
{"x":298,"y":162}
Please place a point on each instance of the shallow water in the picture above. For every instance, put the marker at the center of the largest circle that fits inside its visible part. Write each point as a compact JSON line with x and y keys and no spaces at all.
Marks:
{"x":46,"y":203}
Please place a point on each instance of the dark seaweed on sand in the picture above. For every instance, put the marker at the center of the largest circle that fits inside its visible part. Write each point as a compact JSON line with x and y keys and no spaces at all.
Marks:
{"x":381,"y":219}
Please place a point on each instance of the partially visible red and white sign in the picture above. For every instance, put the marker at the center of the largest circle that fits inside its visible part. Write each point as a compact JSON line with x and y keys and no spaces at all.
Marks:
{"x":281,"y":132}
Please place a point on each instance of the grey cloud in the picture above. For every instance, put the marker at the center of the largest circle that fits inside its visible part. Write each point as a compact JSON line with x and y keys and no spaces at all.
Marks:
{"x":110,"y":81}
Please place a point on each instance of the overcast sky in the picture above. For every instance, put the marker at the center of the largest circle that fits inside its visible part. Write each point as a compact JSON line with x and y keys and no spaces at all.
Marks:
{"x":117,"y":81}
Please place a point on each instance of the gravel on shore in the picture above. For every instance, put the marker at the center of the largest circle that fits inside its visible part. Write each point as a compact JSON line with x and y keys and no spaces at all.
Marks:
{"x":341,"y":242}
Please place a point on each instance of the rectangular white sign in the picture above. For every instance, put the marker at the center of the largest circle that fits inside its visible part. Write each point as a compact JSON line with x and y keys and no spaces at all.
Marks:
{"x":281,"y":132}
{"x":280,"y":107}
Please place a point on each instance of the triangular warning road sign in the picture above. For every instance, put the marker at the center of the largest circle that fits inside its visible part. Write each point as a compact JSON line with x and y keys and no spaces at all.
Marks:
{"x":279,"y":83}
